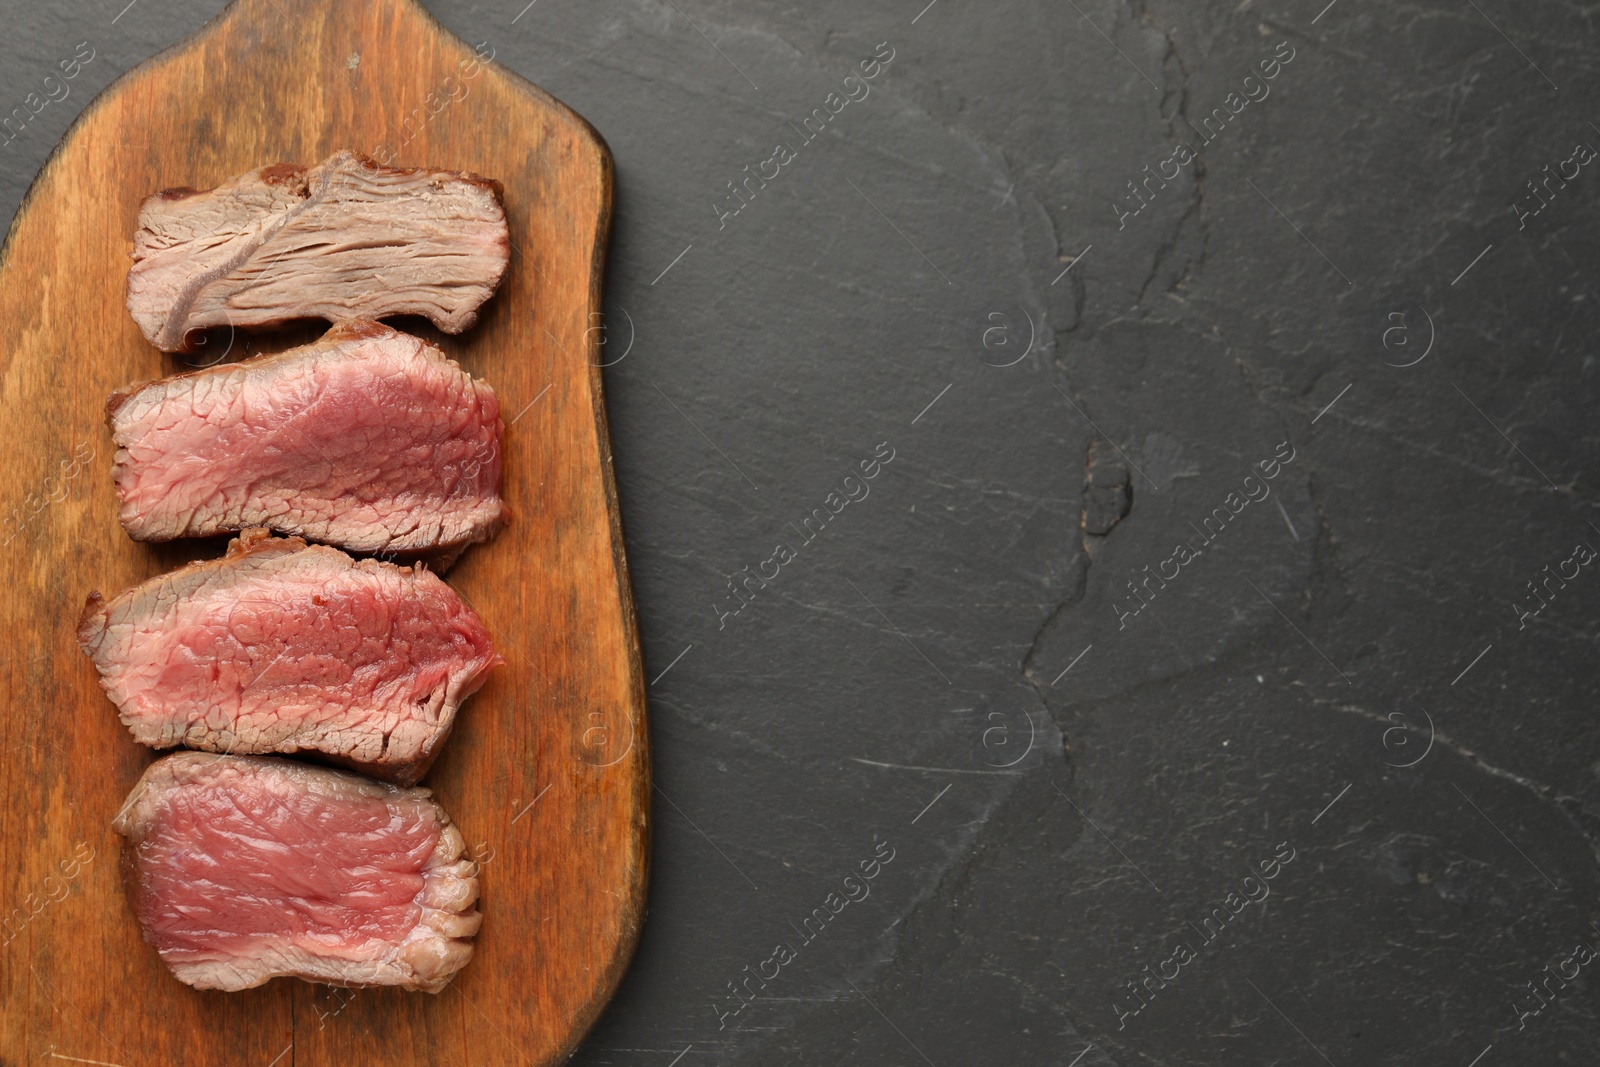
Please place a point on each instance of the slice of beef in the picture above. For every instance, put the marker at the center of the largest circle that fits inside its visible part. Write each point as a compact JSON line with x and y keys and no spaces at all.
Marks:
{"x":282,"y":646}
{"x":244,"y":869}
{"x":369,"y":439}
{"x":344,"y":239}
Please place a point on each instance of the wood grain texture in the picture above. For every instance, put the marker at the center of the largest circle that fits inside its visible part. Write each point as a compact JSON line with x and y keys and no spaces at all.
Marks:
{"x":548,"y":769}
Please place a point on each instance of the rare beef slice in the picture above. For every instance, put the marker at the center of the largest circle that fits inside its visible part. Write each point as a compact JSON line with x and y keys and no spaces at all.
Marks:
{"x":244,"y":868}
{"x":286,"y":647}
{"x":369,"y":439}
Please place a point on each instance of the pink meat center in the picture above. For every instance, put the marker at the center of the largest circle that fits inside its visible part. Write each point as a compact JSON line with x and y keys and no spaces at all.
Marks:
{"x":229,"y":871}
{"x":304,"y":648}
{"x":367,"y":447}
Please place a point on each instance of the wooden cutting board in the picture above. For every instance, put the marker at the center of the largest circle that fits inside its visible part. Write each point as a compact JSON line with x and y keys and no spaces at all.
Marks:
{"x":547,"y":772}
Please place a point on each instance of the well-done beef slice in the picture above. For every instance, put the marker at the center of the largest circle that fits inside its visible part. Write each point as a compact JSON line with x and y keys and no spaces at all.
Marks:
{"x":347,"y":238}
{"x":244,"y":869}
{"x":368,"y":438}
{"x":284,"y":647}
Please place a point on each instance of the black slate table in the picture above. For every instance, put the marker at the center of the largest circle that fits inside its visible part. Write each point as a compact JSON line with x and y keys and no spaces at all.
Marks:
{"x":1112,"y":499}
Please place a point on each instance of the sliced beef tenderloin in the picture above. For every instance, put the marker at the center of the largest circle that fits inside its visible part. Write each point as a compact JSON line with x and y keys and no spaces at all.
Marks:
{"x":369,"y":439}
{"x":282,"y":646}
{"x":244,"y":869}
{"x":344,"y":239}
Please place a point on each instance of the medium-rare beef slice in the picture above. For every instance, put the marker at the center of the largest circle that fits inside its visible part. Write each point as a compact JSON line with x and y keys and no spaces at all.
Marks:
{"x":282,"y":646}
{"x":245,"y":868}
{"x":344,"y":239}
{"x":369,"y":439}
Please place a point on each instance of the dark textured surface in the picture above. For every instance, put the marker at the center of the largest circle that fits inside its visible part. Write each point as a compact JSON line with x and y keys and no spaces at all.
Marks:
{"x":1070,"y":778}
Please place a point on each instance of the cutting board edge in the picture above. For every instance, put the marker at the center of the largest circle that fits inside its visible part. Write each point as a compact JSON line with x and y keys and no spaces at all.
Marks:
{"x":639,"y":892}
